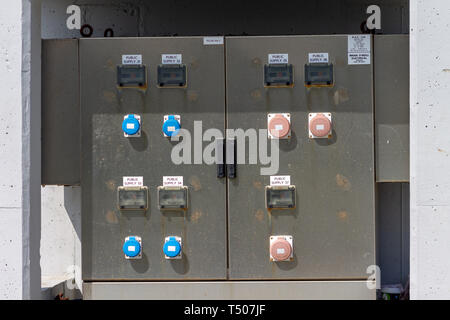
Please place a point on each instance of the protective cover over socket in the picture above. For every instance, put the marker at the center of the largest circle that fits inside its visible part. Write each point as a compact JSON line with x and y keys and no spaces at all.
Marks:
{"x":279,"y":125}
{"x":320,"y":125}
{"x":280,"y":197}
{"x":281,"y":248}
{"x":131,"y":125}
{"x":132,"y":76}
{"x":173,"y":198}
{"x":132,"y":247}
{"x":172,"y":247}
{"x":132,"y":198}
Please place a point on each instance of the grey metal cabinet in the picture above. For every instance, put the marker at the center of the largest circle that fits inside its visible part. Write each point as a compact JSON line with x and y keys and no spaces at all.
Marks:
{"x":226,"y":229}
{"x":107,"y":156}
{"x":332,"y":224}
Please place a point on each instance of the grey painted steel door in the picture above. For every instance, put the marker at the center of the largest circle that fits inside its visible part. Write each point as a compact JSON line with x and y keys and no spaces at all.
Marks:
{"x":333,"y":223}
{"x":108,"y":156}
{"x":391,"y":66}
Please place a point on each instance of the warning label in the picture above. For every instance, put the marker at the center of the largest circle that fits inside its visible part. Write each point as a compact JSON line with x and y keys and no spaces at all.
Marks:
{"x":359,"y":49}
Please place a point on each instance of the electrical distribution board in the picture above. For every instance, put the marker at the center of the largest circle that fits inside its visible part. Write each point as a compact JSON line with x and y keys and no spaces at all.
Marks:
{"x":153,"y":207}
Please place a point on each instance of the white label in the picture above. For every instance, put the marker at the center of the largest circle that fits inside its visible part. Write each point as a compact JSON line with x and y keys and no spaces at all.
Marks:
{"x":171,"y":248}
{"x":318,"y":58}
{"x":280,"y":180}
{"x":130,"y":125}
{"x":211,"y":41}
{"x":275,"y":58}
{"x":170,"y":129}
{"x":171,"y":59}
{"x":132,"y":248}
{"x":131,"y":59}
{"x":320,"y":127}
{"x":133,"y":181}
{"x":359,"y":49}
{"x":278,"y":127}
{"x":280,"y":251}
{"x":173,"y":181}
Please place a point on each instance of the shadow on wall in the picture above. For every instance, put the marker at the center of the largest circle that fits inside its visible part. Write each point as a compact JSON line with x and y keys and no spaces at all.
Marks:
{"x":72,"y":204}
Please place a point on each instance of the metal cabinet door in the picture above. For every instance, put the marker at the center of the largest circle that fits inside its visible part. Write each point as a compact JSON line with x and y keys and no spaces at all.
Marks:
{"x":333,"y":223}
{"x":108,"y":156}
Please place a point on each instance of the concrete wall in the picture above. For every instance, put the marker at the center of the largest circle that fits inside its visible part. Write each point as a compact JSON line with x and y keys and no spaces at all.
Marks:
{"x":11,"y":145}
{"x":61,"y":235}
{"x":430,"y":149}
{"x":20,"y":149}
{"x":122,"y":16}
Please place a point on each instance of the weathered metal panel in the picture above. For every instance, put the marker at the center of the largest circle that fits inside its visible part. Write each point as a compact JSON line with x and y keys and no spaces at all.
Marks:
{"x":333,"y":225}
{"x":60,"y":113}
{"x":230,"y":290}
{"x":391,"y":74}
{"x":107,"y":156}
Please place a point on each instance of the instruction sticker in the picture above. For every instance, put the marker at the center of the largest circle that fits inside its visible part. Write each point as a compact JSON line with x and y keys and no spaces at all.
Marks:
{"x":280,"y":180}
{"x":278,"y":58}
{"x":171,"y":181}
{"x":318,"y":58}
{"x":132,"y":59}
{"x":171,"y":59}
{"x":212,"y":41}
{"x":359,"y":49}
{"x":133,"y":181}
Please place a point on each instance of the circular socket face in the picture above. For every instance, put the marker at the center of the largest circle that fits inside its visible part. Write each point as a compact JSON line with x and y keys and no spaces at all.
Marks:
{"x":279,"y":126}
{"x":320,"y":126}
{"x":280,"y":249}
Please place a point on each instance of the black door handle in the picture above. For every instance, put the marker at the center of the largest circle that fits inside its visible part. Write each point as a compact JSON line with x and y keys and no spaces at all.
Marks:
{"x":231,"y":158}
{"x":220,"y":161}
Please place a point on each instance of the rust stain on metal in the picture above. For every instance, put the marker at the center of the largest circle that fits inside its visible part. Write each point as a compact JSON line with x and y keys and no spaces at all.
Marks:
{"x":259,"y":215}
{"x":111,"y":185}
{"x":194,"y":64}
{"x":195,"y":183}
{"x":340,"y":96}
{"x":257,"y":61}
{"x":343,"y":182}
{"x":196,"y":215}
{"x":256,"y":94}
{"x":109,"y":96}
{"x":258,"y":185}
{"x":192,"y":95}
{"x":111,"y":217}
{"x":110,"y":64}
{"x":342,"y":215}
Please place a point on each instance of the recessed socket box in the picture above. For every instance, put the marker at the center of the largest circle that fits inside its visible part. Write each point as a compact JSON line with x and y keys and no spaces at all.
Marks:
{"x":280,"y":197}
{"x":132,"y":198}
{"x":131,"y":76}
{"x":172,"y":76}
{"x":320,"y":125}
{"x":173,"y":198}
{"x":319,"y":75}
{"x":281,"y":248}
{"x":278,"y":75}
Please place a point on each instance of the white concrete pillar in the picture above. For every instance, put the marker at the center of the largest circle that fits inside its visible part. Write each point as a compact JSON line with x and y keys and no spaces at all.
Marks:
{"x":20,"y":166}
{"x":430,"y":149}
